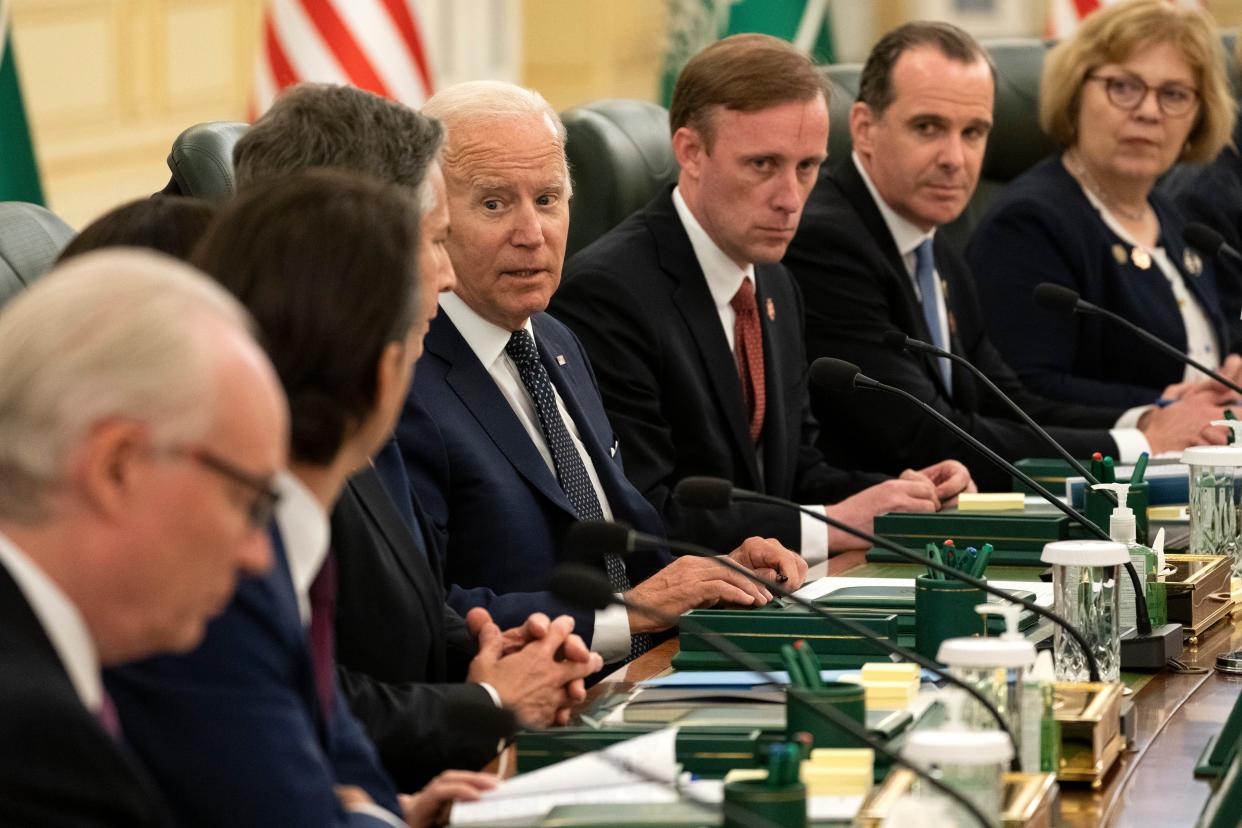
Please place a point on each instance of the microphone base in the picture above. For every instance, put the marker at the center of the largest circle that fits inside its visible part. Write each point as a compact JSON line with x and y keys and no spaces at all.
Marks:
{"x":1151,"y":653}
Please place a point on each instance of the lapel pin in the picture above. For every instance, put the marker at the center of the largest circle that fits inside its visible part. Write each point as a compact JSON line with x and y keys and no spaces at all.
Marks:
{"x":560,"y":359}
{"x":1141,"y":258}
{"x":771,"y":306}
{"x":1192,"y":262}
{"x":1119,"y":253}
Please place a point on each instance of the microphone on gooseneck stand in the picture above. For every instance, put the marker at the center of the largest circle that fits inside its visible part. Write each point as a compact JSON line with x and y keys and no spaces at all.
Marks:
{"x":1066,"y":300}
{"x":586,"y":588}
{"x":1204,"y":238}
{"x":1147,"y":649}
{"x":715,"y":493}
{"x":597,"y":537}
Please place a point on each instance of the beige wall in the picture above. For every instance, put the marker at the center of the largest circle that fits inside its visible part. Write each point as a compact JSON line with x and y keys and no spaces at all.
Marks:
{"x":109,"y":83}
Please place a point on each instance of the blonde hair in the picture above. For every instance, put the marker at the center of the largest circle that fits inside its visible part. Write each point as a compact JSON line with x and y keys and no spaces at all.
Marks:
{"x":1112,"y":35}
{"x":119,"y":333}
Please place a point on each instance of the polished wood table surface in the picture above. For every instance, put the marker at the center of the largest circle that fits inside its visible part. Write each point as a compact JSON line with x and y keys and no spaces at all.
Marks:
{"x":1154,"y":784}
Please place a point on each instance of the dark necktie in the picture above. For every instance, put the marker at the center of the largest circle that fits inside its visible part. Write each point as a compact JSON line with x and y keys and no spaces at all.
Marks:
{"x":748,"y":352}
{"x":108,"y":718}
{"x":925,"y":275}
{"x":571,"y":472}
{"x":323,"y":610}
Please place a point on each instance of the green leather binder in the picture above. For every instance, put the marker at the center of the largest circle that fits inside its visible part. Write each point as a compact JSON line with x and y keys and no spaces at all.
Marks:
{"x":1018,"y":536}
{"x":899,"y":601}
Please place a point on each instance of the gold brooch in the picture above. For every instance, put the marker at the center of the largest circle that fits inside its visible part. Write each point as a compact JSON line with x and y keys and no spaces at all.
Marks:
{"x":771,"y":306}
{"x":1141,"y":258}
{"x":1192,"y":262}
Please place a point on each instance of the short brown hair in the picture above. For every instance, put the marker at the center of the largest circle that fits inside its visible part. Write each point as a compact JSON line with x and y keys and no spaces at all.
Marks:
{"x":875,"y":84}
{"x":1112,"y":35}
{"x":745,"y":73}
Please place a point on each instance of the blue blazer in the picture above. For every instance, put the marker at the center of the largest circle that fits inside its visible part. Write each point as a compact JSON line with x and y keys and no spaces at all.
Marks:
{"x":234,"y":732}
{"x":496,"y":509}
{"x":1043,"y":229}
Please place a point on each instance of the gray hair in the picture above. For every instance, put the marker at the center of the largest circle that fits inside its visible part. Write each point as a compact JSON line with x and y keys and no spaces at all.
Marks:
{"x":463,"y":106}
{"x":119,"y":333}
{"x":325,"y":125}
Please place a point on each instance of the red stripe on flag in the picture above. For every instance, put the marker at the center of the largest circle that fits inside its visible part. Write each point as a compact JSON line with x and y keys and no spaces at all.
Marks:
{"x":341,"y":41}
{"x":282,"y":71}
{"x":1085,"y":7}
{"x":400,"y":14}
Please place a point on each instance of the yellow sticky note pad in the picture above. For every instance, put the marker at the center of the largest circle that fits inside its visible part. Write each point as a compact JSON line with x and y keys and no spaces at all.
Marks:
{"x":991,"y":501}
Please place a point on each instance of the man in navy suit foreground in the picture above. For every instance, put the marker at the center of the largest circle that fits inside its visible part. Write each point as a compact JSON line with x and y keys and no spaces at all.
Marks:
{"x":130,"y":392}
{"x":504,"y":434}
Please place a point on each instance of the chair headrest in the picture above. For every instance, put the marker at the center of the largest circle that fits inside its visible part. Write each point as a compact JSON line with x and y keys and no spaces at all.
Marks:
{"x":201,"y":160}
{"x":31,"y":237}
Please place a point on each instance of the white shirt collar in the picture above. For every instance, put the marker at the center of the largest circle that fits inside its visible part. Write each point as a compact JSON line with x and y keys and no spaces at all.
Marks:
{"x":723,"y":275}
{"x":304,"y":529}
{"x":906,"y":235}
{"x":62,"y":622}
{"x":486,"y":339}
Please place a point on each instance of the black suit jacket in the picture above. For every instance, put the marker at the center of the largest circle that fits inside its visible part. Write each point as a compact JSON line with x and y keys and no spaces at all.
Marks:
{"x":857,"y":288}
{"x":639,"y":302}
{"x":58,"y":767}
{"x":402,"y":653}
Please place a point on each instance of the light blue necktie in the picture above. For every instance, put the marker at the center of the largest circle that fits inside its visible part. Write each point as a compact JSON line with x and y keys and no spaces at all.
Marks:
{"x":925,"y":275}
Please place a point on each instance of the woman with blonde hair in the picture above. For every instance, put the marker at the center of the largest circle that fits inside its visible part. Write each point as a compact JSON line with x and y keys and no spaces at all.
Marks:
{"x":1139,"y":87}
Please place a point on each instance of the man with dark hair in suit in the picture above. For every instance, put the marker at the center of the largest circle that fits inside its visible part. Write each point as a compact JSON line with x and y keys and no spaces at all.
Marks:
{"x":696,"y":329}
{"x":133,"y":402}
{"x":404,"y":656}
{"x":868,"y":261}
{"x":505,"y":438}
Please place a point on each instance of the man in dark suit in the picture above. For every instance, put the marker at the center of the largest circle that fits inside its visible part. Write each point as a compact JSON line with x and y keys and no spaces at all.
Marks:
{"x":120,"y":532}
{"x":696,"y":329}
{"x":404,"y":656}
{"x":506,"y":440}
{"x":868,"y":261}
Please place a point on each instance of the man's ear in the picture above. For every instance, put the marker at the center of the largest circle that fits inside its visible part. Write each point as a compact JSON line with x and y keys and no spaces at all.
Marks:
{"x":689,"y":150}
{"x":107,"y":466}
{"x":862,"y":119}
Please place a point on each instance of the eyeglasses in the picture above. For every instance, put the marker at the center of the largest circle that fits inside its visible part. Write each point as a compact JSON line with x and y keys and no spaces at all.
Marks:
{"x":1127,"y":92}
{"x":259,"y":513}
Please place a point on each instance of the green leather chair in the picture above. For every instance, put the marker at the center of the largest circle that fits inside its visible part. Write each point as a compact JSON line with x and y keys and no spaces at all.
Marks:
{"x":31,"y":237}
{"x":201,"y":160}
{"x":619,"y":157}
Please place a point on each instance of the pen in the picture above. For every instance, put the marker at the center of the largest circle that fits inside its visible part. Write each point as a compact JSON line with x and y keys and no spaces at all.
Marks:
{"x":1140,"y":468}
{"x":981,"y":563}
{"x":968,"y":560}
{"x":810,"y":671}
{"x":792,"y":666}
{"x":949,"y":553}
{"x":1110,"y":473}
{"x":1097,"y":465}
{"x":933,"y":552}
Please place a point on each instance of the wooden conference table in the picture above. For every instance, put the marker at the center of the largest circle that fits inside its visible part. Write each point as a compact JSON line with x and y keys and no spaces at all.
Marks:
{"x":1153,"y":785}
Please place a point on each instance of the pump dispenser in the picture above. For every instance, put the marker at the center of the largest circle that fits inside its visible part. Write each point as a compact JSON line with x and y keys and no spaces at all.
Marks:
{"x":1122,"y":528}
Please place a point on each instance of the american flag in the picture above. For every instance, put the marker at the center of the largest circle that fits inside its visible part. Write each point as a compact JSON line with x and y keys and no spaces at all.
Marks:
{"x":1063,"y":15}
{"x":375,"y":45}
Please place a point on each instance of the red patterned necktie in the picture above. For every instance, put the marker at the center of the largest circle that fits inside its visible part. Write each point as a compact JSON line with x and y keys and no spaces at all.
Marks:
{"x":323,"y":608}
{"x":748,"y":351}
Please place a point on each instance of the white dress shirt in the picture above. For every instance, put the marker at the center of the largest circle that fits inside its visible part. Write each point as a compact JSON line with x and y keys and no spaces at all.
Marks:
{"x":1130,"y":441}
{"x":724,"y":277}
{"x":487,"y":341}
{"x":61,"y":621}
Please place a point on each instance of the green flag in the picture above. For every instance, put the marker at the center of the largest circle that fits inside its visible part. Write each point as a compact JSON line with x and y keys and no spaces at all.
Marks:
{"x":695,"y":24}
{"x":19,"y":174}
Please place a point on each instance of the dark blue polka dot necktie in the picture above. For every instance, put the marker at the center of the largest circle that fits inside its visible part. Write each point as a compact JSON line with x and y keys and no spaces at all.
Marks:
{"x":571,"y":472}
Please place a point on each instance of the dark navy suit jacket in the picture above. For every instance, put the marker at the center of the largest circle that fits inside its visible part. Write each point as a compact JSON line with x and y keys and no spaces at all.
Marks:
{"x":496,"y":507}
{"x":638,"y":300}
{"x":234,"y":732}
{"x":1043,"y":229}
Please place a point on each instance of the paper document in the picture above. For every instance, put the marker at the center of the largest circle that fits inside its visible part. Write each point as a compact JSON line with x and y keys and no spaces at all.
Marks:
{"x":599,"y":777}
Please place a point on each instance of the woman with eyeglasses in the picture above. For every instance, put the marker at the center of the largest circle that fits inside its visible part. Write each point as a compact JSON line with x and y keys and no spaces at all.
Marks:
{"x":1140,"y":87}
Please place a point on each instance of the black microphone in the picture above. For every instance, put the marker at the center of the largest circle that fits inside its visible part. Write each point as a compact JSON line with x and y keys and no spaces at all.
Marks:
{"x":1204,"y":238}
{"x":587,"y":537}
{"x":1145,"y":650}
{"x":1066,"y":300}
{"x":587,"y":588}
{"x":714,"y":493}
{"x":898,"y":341}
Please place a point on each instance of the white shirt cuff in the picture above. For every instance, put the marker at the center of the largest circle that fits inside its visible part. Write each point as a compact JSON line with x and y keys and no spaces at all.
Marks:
{"x":491,"y":691}
{"x":1130,"y":444}
{"x":383,"y":814}
{"x":814,"y":541}
{"x":612,"y":633}
{"x":1131,"y":418}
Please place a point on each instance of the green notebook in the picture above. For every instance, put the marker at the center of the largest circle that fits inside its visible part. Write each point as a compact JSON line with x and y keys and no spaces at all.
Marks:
{"x":899,"y":601}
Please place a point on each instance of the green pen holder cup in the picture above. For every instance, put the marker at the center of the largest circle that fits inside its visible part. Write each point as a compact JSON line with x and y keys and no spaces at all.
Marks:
{"x":945,"y":609}
{"x":1098,"y":507}
{"x":804,"y":713}
{"x":751,"y":802}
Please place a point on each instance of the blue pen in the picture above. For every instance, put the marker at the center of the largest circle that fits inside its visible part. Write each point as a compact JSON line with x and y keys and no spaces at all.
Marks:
{"x":1164,"y":402}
